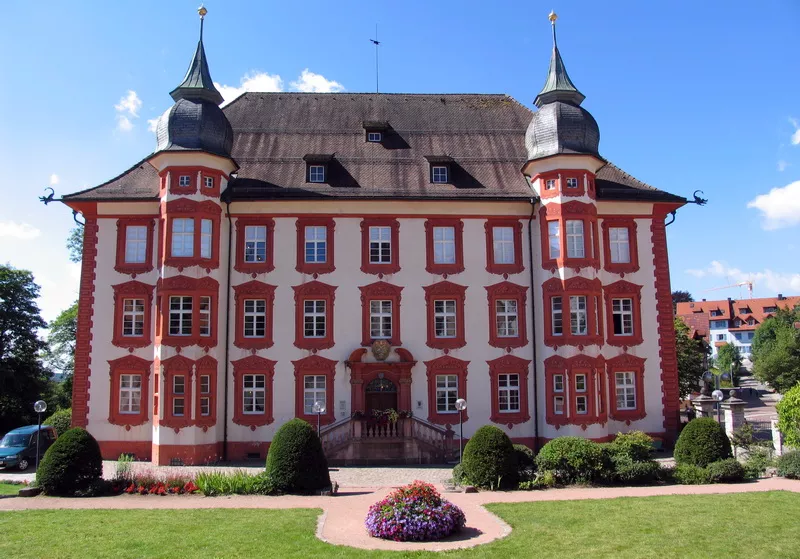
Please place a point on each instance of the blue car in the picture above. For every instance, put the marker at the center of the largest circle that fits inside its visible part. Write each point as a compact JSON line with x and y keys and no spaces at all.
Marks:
{"x":18,"y":447}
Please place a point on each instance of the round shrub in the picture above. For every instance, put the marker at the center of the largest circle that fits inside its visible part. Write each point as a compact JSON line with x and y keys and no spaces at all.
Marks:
{"x":643,"y":472}
{"x":458,"y":475}
{"x":72,"y":464}
{"x":789,"y":465}
{"x":789,"y":416}
{"x":574,"y":460}
{"x":725,"y":471}
{"x":415,"y":512}
{"x":689,"y":474}
{"x":489,"y":459}
{"x":296,"y":462}
{"x":61,"y":421}
{"x":636,"y":445}
{"x":702,"y":442}
{"x":526,"y":462}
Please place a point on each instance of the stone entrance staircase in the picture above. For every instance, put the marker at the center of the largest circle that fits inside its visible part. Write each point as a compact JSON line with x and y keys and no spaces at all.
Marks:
{"x":361,"y":442}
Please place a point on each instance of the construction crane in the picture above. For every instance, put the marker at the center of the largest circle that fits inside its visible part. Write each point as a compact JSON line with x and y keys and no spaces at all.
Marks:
{"x":749,"y":285}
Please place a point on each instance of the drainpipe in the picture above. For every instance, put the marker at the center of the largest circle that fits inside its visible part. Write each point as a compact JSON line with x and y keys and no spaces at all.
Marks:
{"x":227,"y":335}
{"x":534,"y":339}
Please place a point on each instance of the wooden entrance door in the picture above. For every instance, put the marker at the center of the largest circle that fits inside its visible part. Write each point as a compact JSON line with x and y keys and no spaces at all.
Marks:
{"x":380,"y":394}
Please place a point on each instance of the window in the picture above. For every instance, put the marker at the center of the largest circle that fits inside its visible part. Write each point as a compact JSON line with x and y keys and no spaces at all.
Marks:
{"x":444,"y":313}
{"x":506,"y":318}
{"x":255,"y":318}
{"x":503,"y":245}
{"x":135,"y":244}
{"x":255,"y":394}
{"x":205,"y":398}
{"x":554,"y":239}
{"x":133,"y":317}
{"x":716,"y":313}
{"x":180,"y":316}
{"x":313,"y":391}
{"x":575,"y":242}
{"x":375,"y":137}
{"x":316,"y":173}
{"x":720,"y":337}
{"x":380,"y":316}
{"x":737,"y":323}
{"x":205,"y":316}
{"x":208,"y":182}
{"x":581,"y":405}
{"x":620,"y":252}
{"x":380,"y":245}
{"x":626,"y":388}
{"x":187,"y":308}
{"x":550,"y":184}
{"x":183,"y":237}
{"x":178,"y":391}
{"x":620,"y":245}
{"x":508,"y":393}
{"x":557,"y":317}
{"x":130,"y":394}
{"x":625,"y":391}
{"x":314,"y":315}
{"x":255,"y":243}
{"x":444,"y":249}
{"x":316,"y":244}
{"x":444,"y":245}
{"x":314,"y":318}
{"x":558,"y":405}
{"x":572,"y":182}
{"x":744,"y":310}
{"x":445,"y":306}
{"x":770,"y":309}
{"x":580,"y":383}
{"x":558,"y":388}
{"x":184,"y":180}
{"x":446,"y":393}
{"x":439,"y":174}
{"x":750,"y":322}
{"x":509,"y":384}
{"x":577,"y":315}
{"x":507,"y":314}
{"x":622,"y":310}
{"x":206,"y":231}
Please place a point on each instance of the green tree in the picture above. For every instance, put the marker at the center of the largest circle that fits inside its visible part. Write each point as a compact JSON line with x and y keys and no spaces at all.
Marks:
{"x":727,"y":356}
{"x":680,"y":297}
{"x":23,"y":377}
{"x":75,"y":244}
{"x":789,"y":416}
{"x":690,"y":354}
{"x":776,"y":350}
{"x":60,"y":354}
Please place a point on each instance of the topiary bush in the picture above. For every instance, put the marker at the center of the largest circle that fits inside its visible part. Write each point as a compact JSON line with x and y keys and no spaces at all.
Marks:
{"x":574,"y":460}
{"x":789,"y":465}
{"x":643,"y":472}
{"x":689,"y":474}
{"x":636,"y":445}
{"x":296,"y":462}
{"x":526,"y":462}
{"x":725,"y":471}
{"x":61,"y":421}
{"x":72,"y":464}
{"x":702,"y":442}
{"x":489,"y":459}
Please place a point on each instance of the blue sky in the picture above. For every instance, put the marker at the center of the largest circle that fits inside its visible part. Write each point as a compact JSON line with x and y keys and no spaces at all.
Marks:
{"x":688,"y":95}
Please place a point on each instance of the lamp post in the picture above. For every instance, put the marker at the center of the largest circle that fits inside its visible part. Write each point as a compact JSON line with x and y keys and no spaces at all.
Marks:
{"x":461,"y":405}
{"x":319,"y":409}
{"x":39,"y":407}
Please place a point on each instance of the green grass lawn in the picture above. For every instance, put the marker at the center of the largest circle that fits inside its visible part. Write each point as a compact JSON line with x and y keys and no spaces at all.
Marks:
{"x":10,"y":488}
{"x":742,"y":525}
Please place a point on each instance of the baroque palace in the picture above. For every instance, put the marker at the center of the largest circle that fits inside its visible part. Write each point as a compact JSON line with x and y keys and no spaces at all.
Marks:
{"x":365,"y":260}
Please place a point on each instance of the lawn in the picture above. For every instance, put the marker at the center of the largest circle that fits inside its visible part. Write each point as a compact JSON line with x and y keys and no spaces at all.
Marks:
{"x":740,"y":525}
{"x":10,"y":488}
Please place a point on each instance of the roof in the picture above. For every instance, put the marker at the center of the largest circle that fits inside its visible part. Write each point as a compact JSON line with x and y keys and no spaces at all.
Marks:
{"x":730,"y":309}
{"x":197,"y":83}
{"x":484,"y":134}
{"x":558,"y":86}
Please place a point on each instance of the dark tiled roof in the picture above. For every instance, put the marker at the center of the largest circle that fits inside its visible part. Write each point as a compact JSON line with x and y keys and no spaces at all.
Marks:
{"x":273,"y":132}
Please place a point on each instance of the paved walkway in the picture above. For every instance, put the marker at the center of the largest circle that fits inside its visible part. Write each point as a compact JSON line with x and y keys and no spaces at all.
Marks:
{"x":342,"y":520}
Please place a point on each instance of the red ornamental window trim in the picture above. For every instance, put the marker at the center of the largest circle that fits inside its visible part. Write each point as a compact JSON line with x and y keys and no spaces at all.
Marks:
{"x":171,"y":368}
{"x":134,"y":268}
{"x":129,"y":365}
{"x":626,"y":363}
{"x":255,"y":290}
{"x":498,"y":268}
{"x":132,"y":290}
{"x":576,"y":286}
{"x":187,"y":287}
{"x":508,"y":291}
{"x":255,"y":267}
{"x":445,"y":290}
{"x":183,"y":208}
{"x":380,"y":291}
{"x":314,"y":290}
{"x":197,"y":180}
{"x":458,"y":242}
{"x":509,"y":364}
{"x":562,"y":213}
{"x":621,"y":268}
{"x":253,"y":365}
{"x":312,"y":267}
{"x":593,"y":370}
{"x":446,"y":365}
{"x":561,"y":177}
{"x":391,"y":267}
{"x":320,"y":366}
{"x":206,"y":365}
{"x":624,"y":290}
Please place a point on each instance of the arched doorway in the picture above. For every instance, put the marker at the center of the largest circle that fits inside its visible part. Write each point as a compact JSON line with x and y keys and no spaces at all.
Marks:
{"x":380,"y":394}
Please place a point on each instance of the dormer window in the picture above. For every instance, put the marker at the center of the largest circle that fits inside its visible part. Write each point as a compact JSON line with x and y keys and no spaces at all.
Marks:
{"x":375,"y":130}
{"x":439,"y":174}
{"x":317,"y":167}
{"x":572,"y":182}
{"x":375,"y":137}
{"x":208,"y":182}
{"x":184,"y":180}
{"x":550,"y":184}
{"x":316,"y":173}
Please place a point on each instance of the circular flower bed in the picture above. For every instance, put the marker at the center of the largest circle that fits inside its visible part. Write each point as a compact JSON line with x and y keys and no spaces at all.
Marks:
{"x":414,"y":512}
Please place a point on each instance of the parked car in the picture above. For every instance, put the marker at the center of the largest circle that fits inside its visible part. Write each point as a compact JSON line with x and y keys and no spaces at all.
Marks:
{"x":18,"y":447}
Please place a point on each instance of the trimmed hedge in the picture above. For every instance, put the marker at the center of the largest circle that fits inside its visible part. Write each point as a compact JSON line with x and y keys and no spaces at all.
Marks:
{"x":725,"y":471}
{"x":702,"y":442}
{"x":296,"y":462}
{"x":489,"y":459}
{"x":61,"y":421}
{"x":789,"y":465}
{"x":689,"y":474}
{"x":574,"y":460}
{"x":636,"y":445}
{"x":73,"y":464}
{"x":643,"y":472}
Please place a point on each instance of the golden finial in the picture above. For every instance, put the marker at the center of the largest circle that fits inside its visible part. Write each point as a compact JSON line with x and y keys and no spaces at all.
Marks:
{"x":552,"y":17}
{"x":202,"y":11}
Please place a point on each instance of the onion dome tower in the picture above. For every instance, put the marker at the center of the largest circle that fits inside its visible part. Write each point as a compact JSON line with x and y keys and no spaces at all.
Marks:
{"x":561,"y":125}
{"x":195,"y":121}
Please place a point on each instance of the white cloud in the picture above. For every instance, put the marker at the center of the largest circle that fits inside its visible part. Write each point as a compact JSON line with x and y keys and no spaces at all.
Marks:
{"x":774,"y":282}
{"x":796,"y":134}
{"x":53,"y":179}
{"x":124,"y":123}
{"x":21,"y":231}
{"x":152,"y":123}
{"x":130,"y":104}
{"x":782,"y":165}
{"x":780,"y":207}
{"x":256,"y":81}
{"x":309,"y":82}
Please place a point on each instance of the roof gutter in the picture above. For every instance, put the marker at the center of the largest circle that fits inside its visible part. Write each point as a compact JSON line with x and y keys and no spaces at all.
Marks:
{"x":533,"y":202}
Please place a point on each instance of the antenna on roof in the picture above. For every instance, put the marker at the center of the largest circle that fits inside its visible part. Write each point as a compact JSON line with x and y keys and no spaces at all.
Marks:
{"x":377,"y":43}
